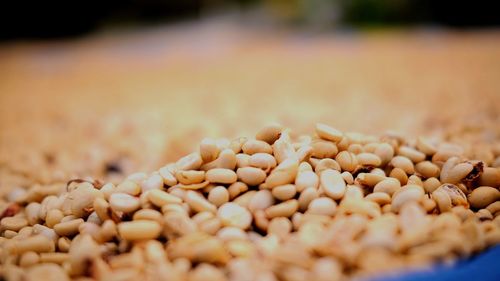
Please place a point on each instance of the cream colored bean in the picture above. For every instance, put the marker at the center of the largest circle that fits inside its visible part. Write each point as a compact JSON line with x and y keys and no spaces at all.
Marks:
{"x":107,"y":190}
{"x":416,"y":180}
{"x":256,"y":146}
{"x":68,"y":228}
{"x":262,"y":200}
{"x":403,"y":163}
{"x":198,"y":203}
{"x":54,"y":217}
{"x":490,"y":177}
{"x":101,"y":207}
{"x":400,"y":175}
{"x":426,"y":146}
{"x":46,"y":271}
{"x":188,"y":177}
{"x":368,"y":159}
{"x":284,"y":192}
{"x":245,"y":198}
{"x":385,"y":152}
{"x":328,"y":133}
{"x":38,"y":244}
{"x":323,"y":149}
{"x":218,"y":196}
{"x":29,"y":259}
{"x":123,"y":202}
{"x":154,"y":181}
{"x":414,"y":155}
{"x":283,"y":148}
{"x":443,"y":200}
{"x":306,"y":179}
{"x":148,"y":214}
{"x":137,"y":177}
{"x":332,"y":184}
{"x":57,"y":258}
{"x":306,"y":196}
{"x":192,"y":161}
{"x":232,"y":214}
{"x":322,"y":206}
{"x":280,"y":227}
{"x":406,"y":194}
{"x":13,"y":223}
{"x":226,"y":160}
{"x":369,"y":179}
{"x":284,"y":209}
{"x":431,"y":184}
{"x":236,"y":144}
{"x":161,"y":198}
{"x":380,"y":198}
{"x":355,"y":148}
{"x":483,"y":196}
{"x":325,"y":164}
{"x":128,"y":187}
{"x":208,"y":150}
{"x":269,"y":133}
{"x":456,"y":195}
{"x":284,"y":173}
{"x":494,"y":208}
{"x":348,"y":178}
{"x":168,"y":178}
{"x":236,"y":189}
{"x":262,"y":161}
{"x":427,"y":169}
{"x":454,"y":172}
{"x":251,"y":176}
{"x":347,"y":161}
{"x":242,"y":160}
{"x":304,"y":153}
{"x":32,"y":210}
{"x":219,"y":175}
{"x":139,"y":230}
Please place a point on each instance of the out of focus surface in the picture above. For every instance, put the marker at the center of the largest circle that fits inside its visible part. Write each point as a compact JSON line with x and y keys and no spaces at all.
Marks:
{"x":129,"y":99}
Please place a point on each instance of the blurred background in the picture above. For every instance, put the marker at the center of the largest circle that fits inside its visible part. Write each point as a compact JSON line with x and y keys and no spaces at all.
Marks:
{"x":106,"y":88}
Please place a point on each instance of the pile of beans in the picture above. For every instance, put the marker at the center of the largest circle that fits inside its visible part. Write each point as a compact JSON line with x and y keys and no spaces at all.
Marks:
{"x":331,"y":206}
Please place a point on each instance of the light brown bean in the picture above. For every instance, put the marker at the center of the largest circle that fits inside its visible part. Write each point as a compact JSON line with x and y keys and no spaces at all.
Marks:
{"x":251,"y":176}
{"x":306,"y":179}
{"x":256,"y":146}
{"x":220,"y":175}
{"x":218,"y":196}
{"x":483,"y":196}
{"x":208,"y":150}
{"x":264,"y":161}
{"x":269,"y":133}
{"x":328,"y":133}
{"x":347,"y":161}
{"x":232,"y":214}
{"x":284,"y":209}
{"x":139,"y":230}
{"x":187,"y":177}
{"x":161,"y":198}
{"x":284,"y":173}
{"x":198,"y":203}
{"x":284,"y":192}
{"x":123,"y":202}
{"x":333,"y":184}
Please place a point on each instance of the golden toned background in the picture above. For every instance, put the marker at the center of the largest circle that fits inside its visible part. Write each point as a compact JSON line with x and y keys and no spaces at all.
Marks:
{"x":135,"y":100}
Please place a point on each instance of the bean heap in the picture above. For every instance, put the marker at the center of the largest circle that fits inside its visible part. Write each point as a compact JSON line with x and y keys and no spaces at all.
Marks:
{"x":332,"y":206}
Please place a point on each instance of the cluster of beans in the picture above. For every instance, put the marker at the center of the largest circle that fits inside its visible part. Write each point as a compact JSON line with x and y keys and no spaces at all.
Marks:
{"x":331,"y":206}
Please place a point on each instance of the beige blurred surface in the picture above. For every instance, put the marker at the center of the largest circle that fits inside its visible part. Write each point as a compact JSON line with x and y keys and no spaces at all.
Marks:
{"x":141,"y":98}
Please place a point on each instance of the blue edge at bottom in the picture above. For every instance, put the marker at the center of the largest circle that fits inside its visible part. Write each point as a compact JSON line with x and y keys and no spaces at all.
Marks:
{"x":484,"y":267}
